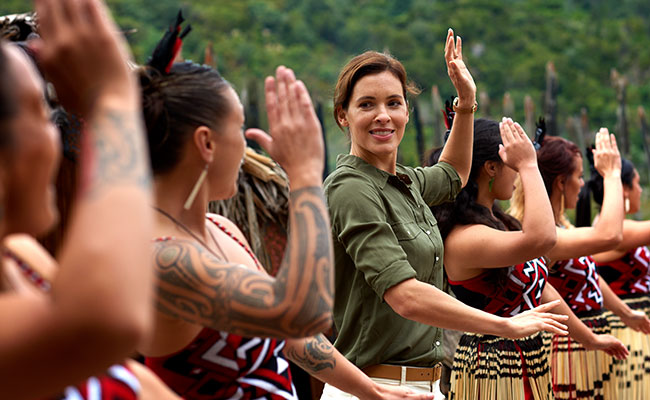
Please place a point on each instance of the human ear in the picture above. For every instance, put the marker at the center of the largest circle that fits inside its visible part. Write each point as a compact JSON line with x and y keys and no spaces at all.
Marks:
{"x":204,"y":143}
{"x":343,"y":118}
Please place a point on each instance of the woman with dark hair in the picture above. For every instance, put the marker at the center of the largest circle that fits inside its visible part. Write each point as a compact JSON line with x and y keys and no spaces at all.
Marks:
{"x":625,"y":269}
{"x":220,"y":315}
{"x":578,"y":372}
{"x":387,"y":246}
{"x":98,"y":308}
{"x":495,"y":263}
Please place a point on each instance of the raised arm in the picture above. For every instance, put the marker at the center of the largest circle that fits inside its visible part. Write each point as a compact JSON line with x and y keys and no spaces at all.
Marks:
{"x":458,"y":149}
{"x":100,"y":304}
{"x":607,"y":233}
{"x":494,"y":248}
{"x":298,"y":301}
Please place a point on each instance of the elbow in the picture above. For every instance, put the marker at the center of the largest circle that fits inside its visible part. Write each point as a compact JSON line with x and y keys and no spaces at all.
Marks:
{"x":403,"y":303}
{"x":548,"y":241}
{"x":311,"y":325}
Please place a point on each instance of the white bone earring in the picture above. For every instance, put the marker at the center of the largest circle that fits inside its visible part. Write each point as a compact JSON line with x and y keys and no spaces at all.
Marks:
{"x":195,"y":189}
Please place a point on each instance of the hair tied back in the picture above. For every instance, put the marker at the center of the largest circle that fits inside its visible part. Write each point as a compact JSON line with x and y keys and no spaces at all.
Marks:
{"x":169,"y":46}
{"x":540,"y":133}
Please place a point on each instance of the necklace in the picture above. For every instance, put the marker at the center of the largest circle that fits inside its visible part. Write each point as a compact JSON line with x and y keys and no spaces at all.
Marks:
{"x":181,"y":225}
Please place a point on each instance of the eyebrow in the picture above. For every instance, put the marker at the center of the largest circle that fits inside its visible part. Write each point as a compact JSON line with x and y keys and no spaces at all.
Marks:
{"x":392,"y":96}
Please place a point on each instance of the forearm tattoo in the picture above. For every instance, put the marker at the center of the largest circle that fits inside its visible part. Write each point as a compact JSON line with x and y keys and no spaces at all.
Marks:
{"x":117,"y":153}
{"x":317,"y":354}
{"x":197,"y":287}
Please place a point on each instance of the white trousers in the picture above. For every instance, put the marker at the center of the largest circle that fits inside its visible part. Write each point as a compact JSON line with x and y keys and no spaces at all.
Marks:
{"x":332,"y":393}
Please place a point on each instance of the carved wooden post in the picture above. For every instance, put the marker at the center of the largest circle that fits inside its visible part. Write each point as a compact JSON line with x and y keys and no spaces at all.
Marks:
{"x":550,"y":100}
{"x":529,"y":110}
{"x":438,"y":123}
{"x":620,"y":85}
{"x":587,"y":135}
{"x":484,"y":104}
{"x":319,"y":114}
{"x":419,"y":134}
{"x":645,"y":135}
{"x":508,"y":105}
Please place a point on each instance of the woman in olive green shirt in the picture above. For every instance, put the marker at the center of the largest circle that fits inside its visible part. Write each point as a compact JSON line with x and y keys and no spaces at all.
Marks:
{"x":388,"y":307}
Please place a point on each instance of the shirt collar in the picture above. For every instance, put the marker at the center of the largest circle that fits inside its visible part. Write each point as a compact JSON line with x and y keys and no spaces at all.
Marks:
{"x":376,"y":174}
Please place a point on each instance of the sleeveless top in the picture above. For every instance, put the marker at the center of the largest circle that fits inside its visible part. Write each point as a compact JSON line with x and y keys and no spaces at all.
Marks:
{"x":221,"y":365}
{"x":521,"y":291}
{"x":117,"y":383}
{"x":577,"y":282}
{"x":629,"y":274}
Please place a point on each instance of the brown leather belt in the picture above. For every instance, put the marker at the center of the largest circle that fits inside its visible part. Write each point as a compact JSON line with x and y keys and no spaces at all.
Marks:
{"x":412,"y":374}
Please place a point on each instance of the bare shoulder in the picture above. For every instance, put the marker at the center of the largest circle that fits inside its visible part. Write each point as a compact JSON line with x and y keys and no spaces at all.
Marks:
{"x":229,"y":225}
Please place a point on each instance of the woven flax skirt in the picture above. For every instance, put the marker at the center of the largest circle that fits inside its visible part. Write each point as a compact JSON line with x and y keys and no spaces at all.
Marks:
{"x":633,"y":374}
{"x":490,"y":367}
{"x":579,"y":373}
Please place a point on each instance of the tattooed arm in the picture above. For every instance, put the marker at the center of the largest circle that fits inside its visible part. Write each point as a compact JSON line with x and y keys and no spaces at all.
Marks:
{"x":195,"y":286}
{"x":317,"y":356}
{"x":99,"y":307}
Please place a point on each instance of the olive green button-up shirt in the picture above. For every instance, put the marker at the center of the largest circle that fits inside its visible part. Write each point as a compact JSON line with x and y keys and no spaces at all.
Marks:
{"x":384,"y":233}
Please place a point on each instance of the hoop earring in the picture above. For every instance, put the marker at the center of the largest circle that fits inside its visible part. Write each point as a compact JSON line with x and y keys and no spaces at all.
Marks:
{"x":627,"y":205}
{"x":195,"y":189}
{"x":490,"y":183}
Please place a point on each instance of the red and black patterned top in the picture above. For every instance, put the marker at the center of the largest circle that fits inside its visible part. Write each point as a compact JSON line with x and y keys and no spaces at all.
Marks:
{"x":577,"y":282}
{"x":220,"y":365}
{"x":628,"y":274}
{"x":117,"y":383}
{"x":521,"y":291}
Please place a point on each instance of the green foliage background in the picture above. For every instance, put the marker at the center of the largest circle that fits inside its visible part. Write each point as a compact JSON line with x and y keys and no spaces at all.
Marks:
{"x":507,"y":44}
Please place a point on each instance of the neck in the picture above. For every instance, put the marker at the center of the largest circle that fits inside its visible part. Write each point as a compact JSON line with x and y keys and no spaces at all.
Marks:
{"x":386,"y":162}
{"x":485,"y":197}
{"x":172,"y":190}
{"x":556,"y":204}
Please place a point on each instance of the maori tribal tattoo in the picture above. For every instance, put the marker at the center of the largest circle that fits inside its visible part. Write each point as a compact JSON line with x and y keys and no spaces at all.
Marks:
{"x":316,"y":355}
{"x":117,"y":150}
{"x":195,"y":286}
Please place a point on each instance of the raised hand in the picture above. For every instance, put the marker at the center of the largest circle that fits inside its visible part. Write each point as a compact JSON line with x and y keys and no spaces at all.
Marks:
{"x":84,"y":56}
{"x":537,"y":319}
{"x":607,"y":159}
{"x":610,"y":345}
{"x":637,"y":320}
{"x":295,"y":137}
{"x":517,"y":150}
{"x":458,"y":72}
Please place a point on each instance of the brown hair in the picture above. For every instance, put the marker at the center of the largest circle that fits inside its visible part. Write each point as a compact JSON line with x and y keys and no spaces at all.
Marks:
{"x":368,"y":63}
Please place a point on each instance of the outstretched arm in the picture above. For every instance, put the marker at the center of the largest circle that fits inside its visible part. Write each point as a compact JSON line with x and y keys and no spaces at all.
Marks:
{"x":319,"y":358}
{"x":429,"y":305}
{"x":580,"y":332}
{"x":637,"y":320}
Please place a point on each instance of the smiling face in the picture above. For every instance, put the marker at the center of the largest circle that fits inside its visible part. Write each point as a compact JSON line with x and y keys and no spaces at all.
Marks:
{"x":30,"y":192}
{"x":376,"y":117}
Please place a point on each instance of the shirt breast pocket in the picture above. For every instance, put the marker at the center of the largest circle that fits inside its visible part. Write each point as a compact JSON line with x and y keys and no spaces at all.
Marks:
{"x":406,"y":231}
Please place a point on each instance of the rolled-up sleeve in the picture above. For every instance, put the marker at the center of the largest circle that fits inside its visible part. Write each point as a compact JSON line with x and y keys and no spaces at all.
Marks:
{"x":359,"y":222}
{"x":438,"y":184}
